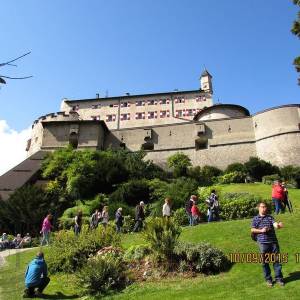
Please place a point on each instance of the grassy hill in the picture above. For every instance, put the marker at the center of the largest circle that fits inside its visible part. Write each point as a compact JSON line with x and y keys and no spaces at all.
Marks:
{"x":243,"y":281}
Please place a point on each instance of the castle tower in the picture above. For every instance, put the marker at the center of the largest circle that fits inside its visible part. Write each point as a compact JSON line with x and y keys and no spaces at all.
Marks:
{"x":206,"y":82}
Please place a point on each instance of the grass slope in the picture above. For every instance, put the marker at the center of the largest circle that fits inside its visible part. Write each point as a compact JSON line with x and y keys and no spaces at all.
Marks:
{"x":243,"y":281}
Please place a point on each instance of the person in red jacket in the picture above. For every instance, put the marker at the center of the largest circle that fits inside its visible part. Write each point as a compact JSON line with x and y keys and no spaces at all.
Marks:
{"x":195,"y":213}
{"x":278,"y":196}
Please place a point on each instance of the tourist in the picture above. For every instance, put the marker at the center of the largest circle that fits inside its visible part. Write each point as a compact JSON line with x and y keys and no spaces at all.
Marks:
{"x":278,"y":196}
{"x":95,"y":219}
{"x":213,"y":206}
{"x":166,"y":210}
{"x":286,"y":202}
{"x":188,"y":208}
{"x":26,"y":241}
{"x":195,"y":214}
{"x":119,"y":219}
{"x":17,"y":241}
{"x":46,"y":229}
{"x":105,"y":216}
{"x":139,"y":216}
{"x":36,"y":277}
{"x":78,"y":222}
{"x":263,"y":227}
{"x":4,"y":242}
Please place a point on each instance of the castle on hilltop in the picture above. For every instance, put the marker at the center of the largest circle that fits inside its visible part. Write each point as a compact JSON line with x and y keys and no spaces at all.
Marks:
{"x":165,"y":123}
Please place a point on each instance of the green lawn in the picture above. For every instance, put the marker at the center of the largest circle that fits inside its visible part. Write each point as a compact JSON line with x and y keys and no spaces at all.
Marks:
{"x":243,"y":281}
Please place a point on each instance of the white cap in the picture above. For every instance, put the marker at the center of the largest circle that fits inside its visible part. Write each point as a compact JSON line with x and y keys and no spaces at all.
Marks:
{"x":142,"y":203}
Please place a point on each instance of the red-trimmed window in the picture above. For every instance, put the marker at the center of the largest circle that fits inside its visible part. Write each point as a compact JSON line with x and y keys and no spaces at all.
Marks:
{"x":125,"y":117}
{"x":139,"y":115}
{"x":110,"y":118}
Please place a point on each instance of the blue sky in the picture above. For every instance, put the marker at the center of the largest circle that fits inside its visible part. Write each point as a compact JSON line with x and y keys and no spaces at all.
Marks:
{"x":80,"y":48}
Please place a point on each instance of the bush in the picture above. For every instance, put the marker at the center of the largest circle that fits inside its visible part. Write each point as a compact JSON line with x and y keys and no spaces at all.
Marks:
{"x":233,"y":177}
{"x":204,"y":176}
{"x":202,"y":257}
{"x":102,"y":274}
{"x":137,"y":252}
{"x":235,"y":167}
{"x":257,"y":168}
{"x":161,"y":234}
{"x":128,"y":224}
{"x":179,"y":162}
{"x":291,"y":174}
{"x":131,"y":192}
{"x":70,"y":252}
{"x":180,"y":217}
{"x":269,"y":179}
{"x":240,"y":205}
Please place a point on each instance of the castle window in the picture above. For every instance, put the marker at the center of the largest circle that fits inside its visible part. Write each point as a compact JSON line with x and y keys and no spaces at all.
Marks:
{"x":164,"y":114}
{"x":125,"y":104}
{"x":152,"y":115}
{"x":110,"y":118}
{"x":180,"y":100}
{"x":164,"y":101}
{"x":179,"y":113}
{"x":200,"y":98}
{"x":152,"y":102}
{"x":140,"y":115}
{"x":140,"y":103}
{"x":95,"y":118}
{"x":75,"y":107}
{"x":125,"y":117}
{"x":113,"y":105}
{"x":95,"y":106}
{"x":189,"y":112}
{"x":201,"y":143}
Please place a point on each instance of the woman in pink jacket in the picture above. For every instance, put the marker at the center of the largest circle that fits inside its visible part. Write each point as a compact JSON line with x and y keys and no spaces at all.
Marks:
{"x":46,"y":229}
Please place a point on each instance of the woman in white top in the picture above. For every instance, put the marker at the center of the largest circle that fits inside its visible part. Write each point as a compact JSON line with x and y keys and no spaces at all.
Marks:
{"x":166,"y":211}
{"x":105,"y":216}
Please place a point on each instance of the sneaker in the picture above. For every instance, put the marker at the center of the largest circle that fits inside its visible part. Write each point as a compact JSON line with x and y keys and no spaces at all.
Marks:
{"x":269,"y":283}
{"x":280,"y":282}
{"x":38,"y":294}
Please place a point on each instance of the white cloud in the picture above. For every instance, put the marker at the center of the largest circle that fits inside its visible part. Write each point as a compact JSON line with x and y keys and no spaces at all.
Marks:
{"x":12,"y":146}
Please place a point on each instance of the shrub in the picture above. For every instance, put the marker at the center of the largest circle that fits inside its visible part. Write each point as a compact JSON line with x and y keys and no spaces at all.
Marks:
{"x":131,"y":192}
{"x":233,"y":177}
{"x":269,"y":179}
{"x":239,"y":205}
{"x":70,"y":252}
{"x":137,"y":252}
{"x":202,"y":257}
{"x":180,"y":217}
{"x":102,"y":274}
{"x":209,"y":173}
{"x":235,"y":167}
{"x":291,"y":174}
{"x":128,"y":224}
{"x":179,"y":162}
{"x":161,"y":234}
{"x":257,"y":168}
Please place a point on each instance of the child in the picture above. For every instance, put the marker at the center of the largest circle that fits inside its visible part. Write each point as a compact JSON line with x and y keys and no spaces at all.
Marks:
{"x":195,"y":214}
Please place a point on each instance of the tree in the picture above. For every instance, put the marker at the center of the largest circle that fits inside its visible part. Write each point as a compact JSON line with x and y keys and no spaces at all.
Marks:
{"x":296,"y":30}
{"x":179,"y":162}
{"x":24,"y":210}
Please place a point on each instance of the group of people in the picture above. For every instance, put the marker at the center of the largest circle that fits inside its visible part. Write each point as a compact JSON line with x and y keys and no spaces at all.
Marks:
{"x":16,"y":243}
{"x":194,"y":214}
{"x":280,"y":197}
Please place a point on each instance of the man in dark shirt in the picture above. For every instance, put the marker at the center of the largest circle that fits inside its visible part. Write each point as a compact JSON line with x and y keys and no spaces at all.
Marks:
{"x":139,"y":216}
{"x":263,"y":226}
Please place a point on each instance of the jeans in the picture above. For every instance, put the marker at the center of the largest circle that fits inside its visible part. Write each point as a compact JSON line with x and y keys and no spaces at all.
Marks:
{"x":45,"y":238}
{"x":270,"y":248}
{"x":44,"y":282}
{"x":191,"y":221}
{"x":213,"y":215}
{"x":118,"y":228}
{"x":138,"y":225}
{"x":278,"y":205}
{"x":77,"y":229}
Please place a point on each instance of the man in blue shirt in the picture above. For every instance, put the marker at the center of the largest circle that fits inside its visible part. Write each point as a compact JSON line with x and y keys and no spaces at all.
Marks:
{"x":36,"y":276}
{"x":263,"y":226}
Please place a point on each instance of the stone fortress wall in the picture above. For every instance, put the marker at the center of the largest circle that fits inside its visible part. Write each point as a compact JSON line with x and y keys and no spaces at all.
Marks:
{"x":215,"y":135}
